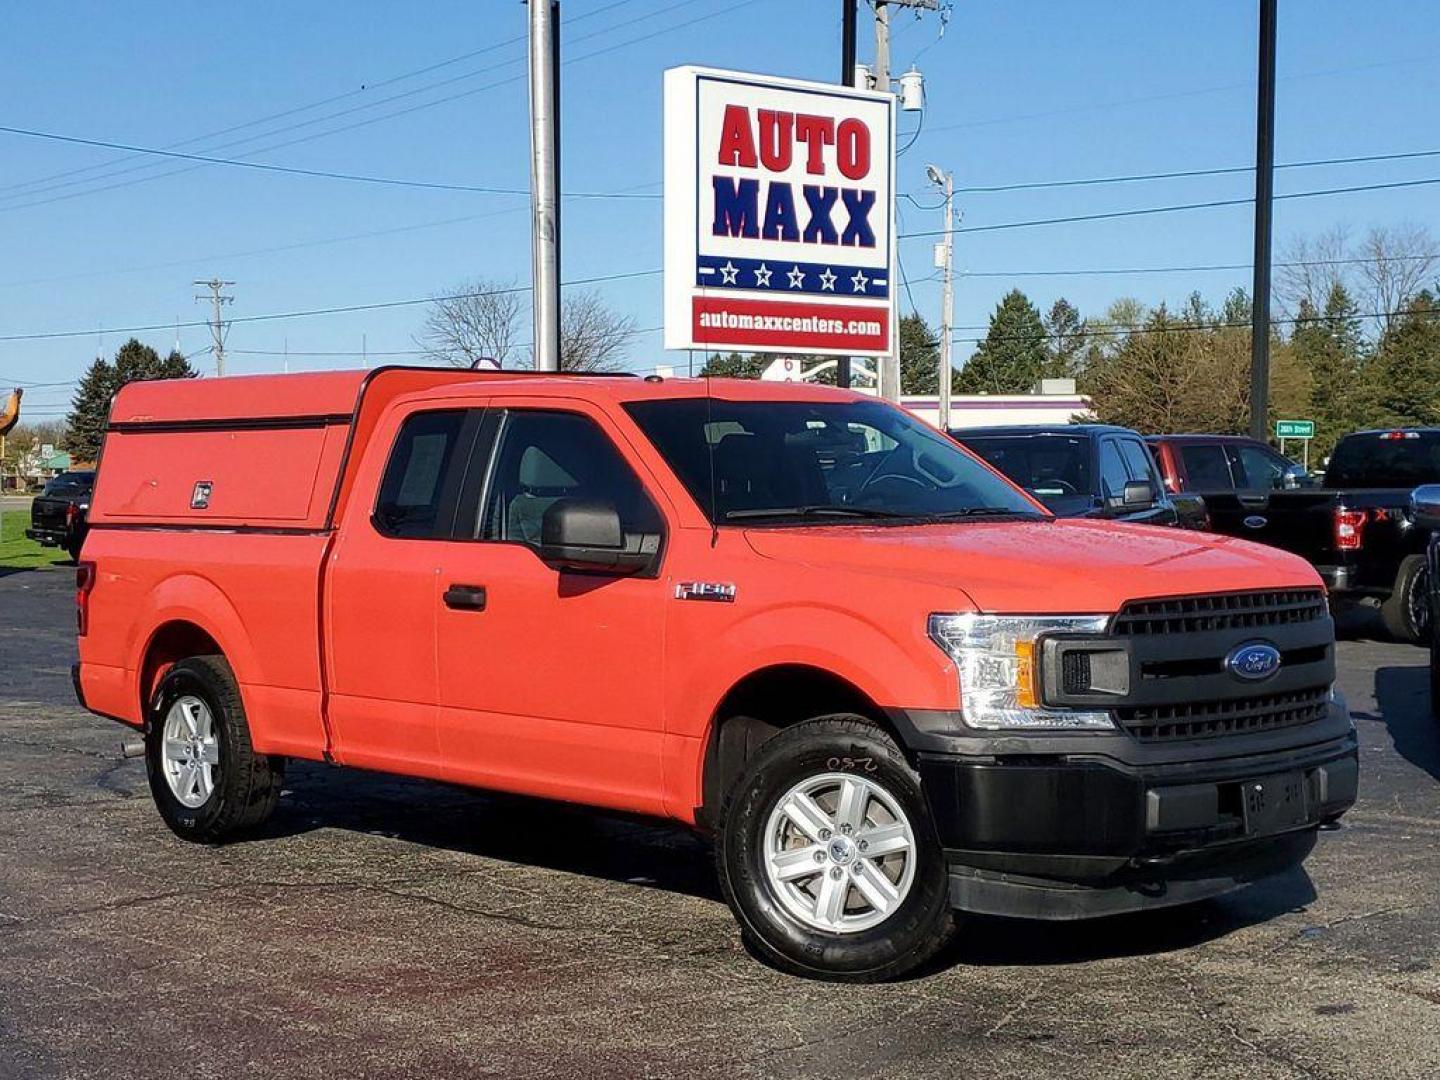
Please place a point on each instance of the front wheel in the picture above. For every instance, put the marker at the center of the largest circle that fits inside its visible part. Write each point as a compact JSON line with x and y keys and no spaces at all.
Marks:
{"x":207,"y":780}
{"x":829,"y":858}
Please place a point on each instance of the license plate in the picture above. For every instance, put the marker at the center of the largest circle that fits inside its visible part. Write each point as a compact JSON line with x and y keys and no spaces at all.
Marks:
{"x":1274,"y":803}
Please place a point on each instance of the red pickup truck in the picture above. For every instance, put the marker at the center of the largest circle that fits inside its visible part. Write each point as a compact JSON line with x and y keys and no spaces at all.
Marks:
{"x":886,"y":680}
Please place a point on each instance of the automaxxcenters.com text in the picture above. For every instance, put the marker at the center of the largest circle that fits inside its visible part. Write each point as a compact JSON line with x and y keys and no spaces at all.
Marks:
{"x":729,"y":320}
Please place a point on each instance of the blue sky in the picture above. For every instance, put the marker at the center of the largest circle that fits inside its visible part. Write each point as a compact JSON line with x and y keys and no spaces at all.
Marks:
{"x":1017,"y":92}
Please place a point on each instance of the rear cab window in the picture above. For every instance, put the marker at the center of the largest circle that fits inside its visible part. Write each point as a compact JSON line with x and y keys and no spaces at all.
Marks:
{"x":1206,"y":467}
{"x":1385,"y":459}
{"x":1054,"y":467}
{"x":418,"y":493}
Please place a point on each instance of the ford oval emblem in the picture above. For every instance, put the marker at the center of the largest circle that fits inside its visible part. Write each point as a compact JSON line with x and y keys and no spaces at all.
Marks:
{"x":1255,"y":521}
{"x":1253,"y":661}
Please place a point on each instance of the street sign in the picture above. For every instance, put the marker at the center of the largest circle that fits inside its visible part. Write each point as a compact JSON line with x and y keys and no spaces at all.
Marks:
{"x":1294,"y":429}
{"x":779,"y":215}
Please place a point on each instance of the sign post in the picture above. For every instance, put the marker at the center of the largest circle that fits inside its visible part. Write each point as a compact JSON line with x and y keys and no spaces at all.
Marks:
{"x":1304,"y":430}
{"x":778,"y":215}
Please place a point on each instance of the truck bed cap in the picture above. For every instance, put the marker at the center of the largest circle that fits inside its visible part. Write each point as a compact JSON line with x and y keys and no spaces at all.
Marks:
{"x":239,"y":397}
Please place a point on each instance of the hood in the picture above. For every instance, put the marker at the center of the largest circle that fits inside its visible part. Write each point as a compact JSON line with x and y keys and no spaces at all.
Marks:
{"x":1044,"y":567}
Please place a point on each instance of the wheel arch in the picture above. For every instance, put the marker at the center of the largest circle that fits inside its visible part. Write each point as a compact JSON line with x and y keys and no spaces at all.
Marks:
{"x":763,"y":703}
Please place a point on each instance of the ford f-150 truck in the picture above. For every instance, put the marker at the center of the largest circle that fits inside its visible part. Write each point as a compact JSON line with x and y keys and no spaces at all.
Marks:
{"x":886,"y":680}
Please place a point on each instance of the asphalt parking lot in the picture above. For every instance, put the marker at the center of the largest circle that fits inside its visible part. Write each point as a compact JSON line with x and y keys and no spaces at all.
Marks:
{"x":389,"y":928}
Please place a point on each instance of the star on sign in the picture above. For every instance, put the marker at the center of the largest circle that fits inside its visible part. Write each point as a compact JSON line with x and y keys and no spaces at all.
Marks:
{"x":859,"y":280}
{"x":762,"y":275}
{"x":728,"y":273}
{"x":796,"y":276}
{"x":827,"y":279}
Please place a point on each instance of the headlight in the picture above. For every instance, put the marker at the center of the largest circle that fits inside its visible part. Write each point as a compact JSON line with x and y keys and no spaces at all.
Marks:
{"x":997,"y":657}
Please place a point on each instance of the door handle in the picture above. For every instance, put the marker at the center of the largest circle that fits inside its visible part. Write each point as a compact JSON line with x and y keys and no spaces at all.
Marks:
{"x":465,"y":597}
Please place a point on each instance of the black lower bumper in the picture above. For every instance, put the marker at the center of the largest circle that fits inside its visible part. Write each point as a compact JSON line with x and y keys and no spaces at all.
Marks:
{"x":48,"y":537}
{"x":1053,"y":827}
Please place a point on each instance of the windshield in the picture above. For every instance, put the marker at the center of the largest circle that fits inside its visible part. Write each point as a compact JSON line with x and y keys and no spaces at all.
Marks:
{"x":70,"y":483}
{"x":788,"y":461}
{"x":1385,"y":459}
{"x":1054,"y":468}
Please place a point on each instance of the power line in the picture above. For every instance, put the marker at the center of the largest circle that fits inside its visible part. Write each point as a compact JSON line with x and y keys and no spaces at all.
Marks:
{"x":1175,"y":208}
{"x":394,"y":113}
{"x":1178,"y":174}
{"x":1194,"y":268}
{"x":296,"y":171}
{"x":295,"y":110}
{"x":338,"y":310}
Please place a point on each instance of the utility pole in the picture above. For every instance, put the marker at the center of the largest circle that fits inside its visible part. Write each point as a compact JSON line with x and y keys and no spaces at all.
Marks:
{"x":945,"y":260}
{"x":544,"y":183}
{"x":847,"y":78}
{"x":217,"y":328}
{"x":1264,"y":205}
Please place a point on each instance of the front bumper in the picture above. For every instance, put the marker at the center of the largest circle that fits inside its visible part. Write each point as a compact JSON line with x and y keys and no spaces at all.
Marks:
{"x":1067,"y":826}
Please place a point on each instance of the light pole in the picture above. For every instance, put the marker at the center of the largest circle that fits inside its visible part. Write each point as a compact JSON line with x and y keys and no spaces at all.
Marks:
{"x":945,"y":260}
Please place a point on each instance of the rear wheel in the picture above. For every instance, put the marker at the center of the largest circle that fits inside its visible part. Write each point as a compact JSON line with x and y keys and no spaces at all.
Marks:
{"x":829,"y":858}
{"x":207,"y":781}
{"x":1406,"y":611}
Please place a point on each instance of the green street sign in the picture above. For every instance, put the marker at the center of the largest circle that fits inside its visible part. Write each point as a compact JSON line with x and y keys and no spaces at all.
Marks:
{"x":1294,"y":429}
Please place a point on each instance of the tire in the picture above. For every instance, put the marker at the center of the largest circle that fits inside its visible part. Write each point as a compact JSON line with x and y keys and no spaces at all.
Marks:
{"x":228,"y":788}
{"x":1406,"y":611}
{"x":782,"y":918}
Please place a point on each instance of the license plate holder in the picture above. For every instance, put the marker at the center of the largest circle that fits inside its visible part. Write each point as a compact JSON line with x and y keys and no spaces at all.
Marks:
{"x":1274,"y":804}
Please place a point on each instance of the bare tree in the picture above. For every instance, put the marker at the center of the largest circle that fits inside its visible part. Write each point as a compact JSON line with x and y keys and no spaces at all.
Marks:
{"x":474,"y":323}
{"x":593,"y":336}
{"x":1309,"y":267}
{"x":1397,"y":262}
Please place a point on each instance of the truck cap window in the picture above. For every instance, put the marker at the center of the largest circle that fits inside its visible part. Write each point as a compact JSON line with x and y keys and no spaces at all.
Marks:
{"x":790,"y":461}
{"x":1055,"y":468}
{"x":545,"y":456}
{"x":412,"y":494}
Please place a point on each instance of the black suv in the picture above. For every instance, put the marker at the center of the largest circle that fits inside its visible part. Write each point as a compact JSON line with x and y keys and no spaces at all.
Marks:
{"x":1084,"y":470}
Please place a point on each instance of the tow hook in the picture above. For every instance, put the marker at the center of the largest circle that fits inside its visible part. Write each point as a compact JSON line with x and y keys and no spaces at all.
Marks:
{"x":132,"y":748}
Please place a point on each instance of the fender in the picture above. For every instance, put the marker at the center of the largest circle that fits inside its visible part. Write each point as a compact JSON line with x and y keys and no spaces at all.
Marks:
{"x":912,"y":673}
{"x":188,"y":597}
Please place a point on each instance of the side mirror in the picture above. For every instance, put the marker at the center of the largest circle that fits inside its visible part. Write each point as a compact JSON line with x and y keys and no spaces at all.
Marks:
{"x":1294,"y":477}
{"x":1425,"y":506}
{"x":1137,"y":495}
{"x":585,"y":534}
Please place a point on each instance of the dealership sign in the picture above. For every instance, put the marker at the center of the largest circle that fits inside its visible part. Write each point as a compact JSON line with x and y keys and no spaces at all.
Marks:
{"x":778,"y":215}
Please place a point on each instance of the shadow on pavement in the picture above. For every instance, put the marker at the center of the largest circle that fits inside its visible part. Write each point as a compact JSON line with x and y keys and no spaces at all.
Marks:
{"x":532,"y":832}
{"x":654,"y":854}
{"x":1403,"y":697}
{"x":987,"y":940}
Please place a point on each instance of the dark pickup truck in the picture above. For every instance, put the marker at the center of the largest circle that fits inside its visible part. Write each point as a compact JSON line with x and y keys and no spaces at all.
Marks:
{"x":1084,"y":470}
{"x":1358,"y":528}
{"x":59,"y":515}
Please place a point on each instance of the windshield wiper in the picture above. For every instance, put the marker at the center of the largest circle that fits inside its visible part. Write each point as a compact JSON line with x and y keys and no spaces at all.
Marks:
{"x":986,"y":511}
{"x":817,"y":511}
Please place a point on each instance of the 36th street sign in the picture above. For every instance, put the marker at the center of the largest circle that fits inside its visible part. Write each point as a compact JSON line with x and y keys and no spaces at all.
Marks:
{"x":778,"y":215}
{"x":1294,"y":429}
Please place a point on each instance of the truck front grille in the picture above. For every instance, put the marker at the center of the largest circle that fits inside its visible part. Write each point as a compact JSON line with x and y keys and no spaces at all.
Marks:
{"x":1221,"y":611}
{"x":1180,"y":686}
{"x":1206,"y":719}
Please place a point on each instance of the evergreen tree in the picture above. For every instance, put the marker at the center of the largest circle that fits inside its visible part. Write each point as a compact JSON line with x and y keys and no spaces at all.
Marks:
{"x":1012,"y":358}
{"x":1404,"y":382}
{"x":1065,"y":340}
{"x":735,"y":366}
{"x":1330,"y":347}
{"x":919,"y":356}
{"x":90,"y":408}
